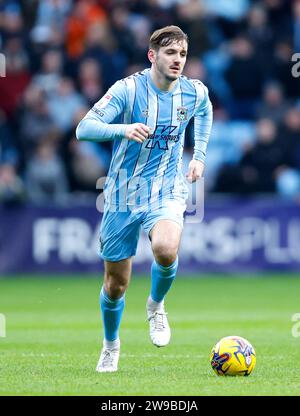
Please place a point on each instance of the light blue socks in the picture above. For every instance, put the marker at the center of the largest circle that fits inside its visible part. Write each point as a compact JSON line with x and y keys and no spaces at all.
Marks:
{"x":111,"y":311}
{"x":162,"y":279}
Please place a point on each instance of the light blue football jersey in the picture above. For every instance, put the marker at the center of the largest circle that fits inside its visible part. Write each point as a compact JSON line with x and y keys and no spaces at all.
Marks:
{"x":148,"y":172}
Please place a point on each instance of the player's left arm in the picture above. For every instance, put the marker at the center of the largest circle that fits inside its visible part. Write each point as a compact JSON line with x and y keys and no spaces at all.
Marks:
{"x":202,"y":127}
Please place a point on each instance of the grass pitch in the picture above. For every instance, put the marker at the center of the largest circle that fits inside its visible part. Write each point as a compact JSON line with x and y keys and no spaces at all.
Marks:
{"x":53,"y":337}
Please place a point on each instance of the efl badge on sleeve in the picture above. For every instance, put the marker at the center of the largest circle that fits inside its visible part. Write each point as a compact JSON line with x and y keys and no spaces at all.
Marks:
{"x":104,"y":101}
{"x":181,"y":114}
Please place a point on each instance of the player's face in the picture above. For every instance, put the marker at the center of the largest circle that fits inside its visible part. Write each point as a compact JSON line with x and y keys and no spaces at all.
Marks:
{"x":169,"y":60}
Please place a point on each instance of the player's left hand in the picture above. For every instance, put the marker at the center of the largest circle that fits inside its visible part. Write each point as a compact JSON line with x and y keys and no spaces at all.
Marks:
{"x":196,"y":168}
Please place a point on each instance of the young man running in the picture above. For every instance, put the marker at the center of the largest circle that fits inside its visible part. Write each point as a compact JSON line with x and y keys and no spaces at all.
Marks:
{"x":146,"y":115}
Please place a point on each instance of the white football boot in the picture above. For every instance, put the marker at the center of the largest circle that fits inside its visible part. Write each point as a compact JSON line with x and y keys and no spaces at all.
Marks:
{"x":160,"y":332}
{"x":108,"y":361}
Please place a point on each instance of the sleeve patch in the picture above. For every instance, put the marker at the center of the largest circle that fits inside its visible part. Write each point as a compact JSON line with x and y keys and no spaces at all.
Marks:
{"x":104,"y":101}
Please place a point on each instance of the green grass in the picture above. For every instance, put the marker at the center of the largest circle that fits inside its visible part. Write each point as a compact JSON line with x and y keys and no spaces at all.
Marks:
{"x":54,"y":335}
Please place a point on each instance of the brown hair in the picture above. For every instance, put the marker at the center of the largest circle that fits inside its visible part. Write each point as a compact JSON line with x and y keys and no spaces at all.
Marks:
{"x":165,"y":36}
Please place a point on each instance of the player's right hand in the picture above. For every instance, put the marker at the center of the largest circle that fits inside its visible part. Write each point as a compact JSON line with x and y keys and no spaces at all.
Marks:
{"x":138,"y":132}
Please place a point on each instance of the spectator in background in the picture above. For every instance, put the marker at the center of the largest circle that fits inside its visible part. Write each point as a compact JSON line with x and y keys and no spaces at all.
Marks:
{"x":245,"y":78}
{"x":279,"y":17}
{"x":90,"y":80}
{"x":290,"y":136}
{"x":52,"y":14}
{"x":51,"y":71}
{"x":260,"y":163}
{"x":160,"y":13}
{"x":101,"y":46}
{"x":36,"y":120}
{"x":191,"y":18}
{"x":259,"y":30}
{"x":17,"y":76}
{"x":140,"y":26}
{"x":260,"y":34}
{"x":12,"y":189}
{"x":45,"y":175}
{"x":121,"y":30}
{"x":29,"y":12}
{"x":273,"y":104}
{"x":11,"y":24}
{"x":83,"y":15}
{"x":50,"y":21}
{"x":258,"y":167}
{"x":64,"y":103}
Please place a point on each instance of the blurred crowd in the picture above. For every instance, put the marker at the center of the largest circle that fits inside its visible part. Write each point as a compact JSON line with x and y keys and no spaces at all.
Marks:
{"x":62,"y":55}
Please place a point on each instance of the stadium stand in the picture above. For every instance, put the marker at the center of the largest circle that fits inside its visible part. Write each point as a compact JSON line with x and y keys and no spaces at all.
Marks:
{"x":62,"y":55}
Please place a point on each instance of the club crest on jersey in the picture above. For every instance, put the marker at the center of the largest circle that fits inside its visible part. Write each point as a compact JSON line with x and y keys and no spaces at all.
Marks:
{"x":181,"y":114}
{"x":145,"y":113}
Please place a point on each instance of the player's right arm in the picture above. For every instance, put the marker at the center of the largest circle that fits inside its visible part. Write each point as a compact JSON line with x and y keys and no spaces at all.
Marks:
{"x":95,"y":126}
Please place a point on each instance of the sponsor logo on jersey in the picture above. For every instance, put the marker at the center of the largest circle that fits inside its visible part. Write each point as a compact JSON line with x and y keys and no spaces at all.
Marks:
{"x":96,"y":110}
{"x":161,"y":136}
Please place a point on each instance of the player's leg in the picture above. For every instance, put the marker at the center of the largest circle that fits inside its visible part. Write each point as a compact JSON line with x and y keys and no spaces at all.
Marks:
{"x":164,"y":224}
{"x":165,"y":238}
{"x":112,"y":302}
{"x":119,"y":236}
{"x":112,"y":296}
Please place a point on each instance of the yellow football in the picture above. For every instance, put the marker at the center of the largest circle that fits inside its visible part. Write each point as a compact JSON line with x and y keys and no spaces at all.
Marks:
{"x":233,"y":356}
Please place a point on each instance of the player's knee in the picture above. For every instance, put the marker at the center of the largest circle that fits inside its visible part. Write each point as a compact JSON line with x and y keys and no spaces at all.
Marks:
{"x":165,"y":254}
{"x":115,"y":291}
{"x":115,"y":287}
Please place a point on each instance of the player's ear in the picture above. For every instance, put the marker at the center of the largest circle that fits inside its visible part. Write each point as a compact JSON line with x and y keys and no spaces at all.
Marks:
{"x":151,"y":55}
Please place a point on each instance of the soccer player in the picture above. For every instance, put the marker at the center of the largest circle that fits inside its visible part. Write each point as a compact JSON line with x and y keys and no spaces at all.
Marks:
{"x":146,"y":115}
